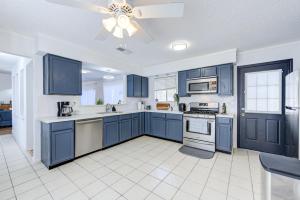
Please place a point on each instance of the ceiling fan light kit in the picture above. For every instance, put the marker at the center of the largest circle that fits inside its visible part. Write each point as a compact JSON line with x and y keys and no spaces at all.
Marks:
{"x":122,"y":14}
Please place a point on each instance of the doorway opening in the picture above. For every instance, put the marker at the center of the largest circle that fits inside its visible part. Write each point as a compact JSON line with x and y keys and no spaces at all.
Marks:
{"x":16,"y":103}
{"x":261,"y":108}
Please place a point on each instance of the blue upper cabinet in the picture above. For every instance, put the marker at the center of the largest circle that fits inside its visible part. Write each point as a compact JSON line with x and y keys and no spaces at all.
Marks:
{"x":193,"y":73}
{"x":62,"y":76}
{"x":145,"y":92}
{"x":225,"y":80}
{"x":182,"y":77}
{"x":224,"y":134}
{"x":208,"y":71}
{"x":137,"y":86}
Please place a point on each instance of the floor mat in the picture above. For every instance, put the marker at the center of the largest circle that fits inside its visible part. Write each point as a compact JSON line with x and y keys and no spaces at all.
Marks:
{"x":198,"y":153}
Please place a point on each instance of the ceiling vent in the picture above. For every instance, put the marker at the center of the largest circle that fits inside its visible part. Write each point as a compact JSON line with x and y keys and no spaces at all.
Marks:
{"x":124,"y":51}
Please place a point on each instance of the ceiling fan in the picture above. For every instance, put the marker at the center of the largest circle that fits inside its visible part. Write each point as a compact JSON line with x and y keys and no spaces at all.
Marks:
{"x":121,"y":22}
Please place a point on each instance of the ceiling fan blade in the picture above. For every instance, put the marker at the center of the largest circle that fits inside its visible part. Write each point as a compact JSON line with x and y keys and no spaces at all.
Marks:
{"x":159,"y":11}
{"x":142,"y":33}
{"x":82,"y":5}
{"x":102,"y":35}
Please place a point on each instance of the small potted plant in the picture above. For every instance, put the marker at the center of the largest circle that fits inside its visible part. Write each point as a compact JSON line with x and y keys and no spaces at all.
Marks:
{"x":99,"y":102}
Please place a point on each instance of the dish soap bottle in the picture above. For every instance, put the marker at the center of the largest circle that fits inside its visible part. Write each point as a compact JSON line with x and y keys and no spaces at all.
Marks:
{"x":223,"y":109}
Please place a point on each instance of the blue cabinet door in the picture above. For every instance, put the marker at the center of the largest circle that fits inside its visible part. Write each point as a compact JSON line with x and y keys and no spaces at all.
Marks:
{"x":62,"y":146}
{"x":158,"y":126}
{"x":208,"y":71}
{"x":174,"y":127}
{"x":224,"y":134}
{"x":137,"y":86}
{"x":182,"y":77}
{"x":225,"y":80}
{"x":145,"y":87}
{"x":136,"y":125}
{"x":62,"y":76}
{"x":110,"y":133}
{"x":130,"y":87}
{"x":148,"y":123}
{"x":193,"y":73}
{"x":125,"y":129}
{"x":142,"y":123}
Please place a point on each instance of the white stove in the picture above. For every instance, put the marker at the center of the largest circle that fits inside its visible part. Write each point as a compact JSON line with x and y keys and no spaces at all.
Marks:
{"x":199,"y":126}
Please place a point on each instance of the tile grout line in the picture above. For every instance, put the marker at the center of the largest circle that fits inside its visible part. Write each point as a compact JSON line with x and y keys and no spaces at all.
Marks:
{"x":210,"y":170}
{"x":227,"y":193}
{"x":12,"y":186}
{"x":250,"y":175}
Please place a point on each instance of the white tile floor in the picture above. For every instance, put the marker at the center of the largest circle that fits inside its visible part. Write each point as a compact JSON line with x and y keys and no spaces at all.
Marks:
{"x":144,"y":168}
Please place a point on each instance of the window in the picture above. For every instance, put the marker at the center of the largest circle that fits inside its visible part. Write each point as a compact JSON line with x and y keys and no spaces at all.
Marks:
{"x":165,"y":88}
{"x":263,"y":92}
{"x":88,"y":97}
{"x":113,"y":91}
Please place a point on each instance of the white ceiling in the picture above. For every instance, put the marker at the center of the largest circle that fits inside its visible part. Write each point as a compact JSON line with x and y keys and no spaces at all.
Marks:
{"x":8,"y":62}
{"x":209,"y":25}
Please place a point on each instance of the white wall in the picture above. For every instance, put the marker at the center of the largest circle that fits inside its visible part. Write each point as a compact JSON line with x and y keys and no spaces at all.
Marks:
{"x":5,"y":87}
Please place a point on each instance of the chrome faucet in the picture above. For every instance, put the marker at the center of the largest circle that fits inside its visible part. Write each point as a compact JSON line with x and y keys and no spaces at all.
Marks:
{"x":108,"y":108}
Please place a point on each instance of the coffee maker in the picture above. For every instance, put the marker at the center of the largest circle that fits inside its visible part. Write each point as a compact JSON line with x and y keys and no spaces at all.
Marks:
{"x":64,"y":109}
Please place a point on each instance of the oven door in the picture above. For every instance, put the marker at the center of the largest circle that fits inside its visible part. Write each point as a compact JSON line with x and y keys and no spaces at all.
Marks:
{"x":204,"y":85}
{"x":199,"y":129}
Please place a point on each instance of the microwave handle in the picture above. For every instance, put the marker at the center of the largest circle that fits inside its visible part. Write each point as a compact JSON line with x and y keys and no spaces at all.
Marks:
{"x":187,"y":123}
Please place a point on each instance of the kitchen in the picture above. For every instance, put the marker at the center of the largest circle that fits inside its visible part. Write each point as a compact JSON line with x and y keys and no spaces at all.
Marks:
{"x":119,"y":119}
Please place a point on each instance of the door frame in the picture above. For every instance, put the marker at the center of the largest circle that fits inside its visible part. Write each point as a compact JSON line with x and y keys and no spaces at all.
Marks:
{"x":286,"y":61}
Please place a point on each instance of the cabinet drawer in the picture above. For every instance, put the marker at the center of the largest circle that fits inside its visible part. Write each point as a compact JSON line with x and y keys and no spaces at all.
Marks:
{"x":158,"y":115}
{"x":223,"y":120}
{"x":128,"y":116}
{"x":111,"y":119}
{"x":174,"y":116}
{"x":59,"y":126}
{"x":135,"y":115}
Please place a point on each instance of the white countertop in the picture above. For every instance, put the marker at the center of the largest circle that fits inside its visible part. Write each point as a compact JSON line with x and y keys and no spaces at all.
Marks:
{"x":53,"y":119}
{"x":225,"y":115}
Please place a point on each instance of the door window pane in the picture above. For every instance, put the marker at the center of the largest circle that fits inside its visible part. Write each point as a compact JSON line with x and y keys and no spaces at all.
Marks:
{"x":263,"y":91}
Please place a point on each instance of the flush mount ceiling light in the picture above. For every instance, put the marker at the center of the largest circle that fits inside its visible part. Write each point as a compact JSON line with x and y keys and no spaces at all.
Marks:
{"x":108,"y":77}
{"x":84,"y":71}
{"x":179,"y":45}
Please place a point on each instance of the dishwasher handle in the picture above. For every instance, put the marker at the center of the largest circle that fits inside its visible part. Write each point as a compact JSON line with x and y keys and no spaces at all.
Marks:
{"x":88,"y":121}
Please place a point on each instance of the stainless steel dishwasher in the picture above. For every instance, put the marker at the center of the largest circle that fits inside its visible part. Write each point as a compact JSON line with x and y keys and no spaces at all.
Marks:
{"x":88,"y":136}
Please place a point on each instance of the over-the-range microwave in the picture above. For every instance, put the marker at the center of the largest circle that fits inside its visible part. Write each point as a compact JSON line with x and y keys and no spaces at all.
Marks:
{"x":207,"y":85}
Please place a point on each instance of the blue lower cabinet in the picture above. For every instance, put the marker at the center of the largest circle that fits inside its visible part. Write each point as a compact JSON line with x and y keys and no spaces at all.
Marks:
{"x":148,"y":123}
{"x":136,"y":124}
{"x":110,"y":133}
{"x":125,"y":129}
{"x":224,"y":134}
{"x":174,"y":127}
{"x":158,"y":125}
{"x":57,"y":143}
{"x":142,"y":123}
